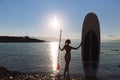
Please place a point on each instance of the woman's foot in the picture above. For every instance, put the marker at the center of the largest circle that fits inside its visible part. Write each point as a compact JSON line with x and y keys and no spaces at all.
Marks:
{"x":68,"y":75}
{"x":64,"y":75}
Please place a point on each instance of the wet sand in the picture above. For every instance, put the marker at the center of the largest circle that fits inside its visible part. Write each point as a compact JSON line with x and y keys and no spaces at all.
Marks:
{"x":5,"y":74}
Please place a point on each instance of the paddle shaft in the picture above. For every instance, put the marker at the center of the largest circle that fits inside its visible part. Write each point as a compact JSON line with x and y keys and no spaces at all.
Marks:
{"x":59,"y":44}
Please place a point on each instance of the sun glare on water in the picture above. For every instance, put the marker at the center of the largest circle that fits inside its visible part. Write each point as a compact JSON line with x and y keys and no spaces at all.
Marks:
{"x":54,"y":54}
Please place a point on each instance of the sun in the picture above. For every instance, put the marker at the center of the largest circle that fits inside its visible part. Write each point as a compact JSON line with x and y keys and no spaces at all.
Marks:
{"x":55,"y":22}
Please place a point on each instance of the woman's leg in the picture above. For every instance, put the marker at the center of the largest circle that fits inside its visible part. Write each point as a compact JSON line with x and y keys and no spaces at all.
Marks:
{"x":65,"y":70}
{"x":68,"y":61}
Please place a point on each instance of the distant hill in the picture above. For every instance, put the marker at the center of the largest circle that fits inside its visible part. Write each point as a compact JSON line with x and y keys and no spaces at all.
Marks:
{"x":19,"y":39}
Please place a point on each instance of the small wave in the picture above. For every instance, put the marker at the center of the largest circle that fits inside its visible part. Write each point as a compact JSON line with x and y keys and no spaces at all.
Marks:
{"x":115,"y":50}
{"x":102,"y":52}
{"x":119,"y":66}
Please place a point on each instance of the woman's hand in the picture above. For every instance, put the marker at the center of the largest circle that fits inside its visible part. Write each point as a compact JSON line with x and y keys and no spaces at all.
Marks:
{"x":81,"y":43}
{"x":59,"y":48}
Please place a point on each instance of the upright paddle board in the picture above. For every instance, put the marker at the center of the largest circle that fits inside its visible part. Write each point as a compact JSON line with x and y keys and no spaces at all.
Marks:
{"x":90,"y":45}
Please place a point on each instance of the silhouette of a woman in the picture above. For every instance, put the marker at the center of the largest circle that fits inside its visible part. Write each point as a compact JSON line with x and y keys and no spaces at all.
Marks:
{"x":68,"y":49}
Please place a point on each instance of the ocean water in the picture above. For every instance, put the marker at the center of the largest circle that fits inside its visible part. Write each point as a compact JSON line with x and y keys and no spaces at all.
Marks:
{"x":42,"y":57}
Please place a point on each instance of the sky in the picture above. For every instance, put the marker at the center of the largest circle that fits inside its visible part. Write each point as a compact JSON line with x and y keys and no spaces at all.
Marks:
{"x":34,"y":17}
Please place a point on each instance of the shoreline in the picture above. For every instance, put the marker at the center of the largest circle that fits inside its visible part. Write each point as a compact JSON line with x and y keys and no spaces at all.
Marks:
{"x":6,"y":74}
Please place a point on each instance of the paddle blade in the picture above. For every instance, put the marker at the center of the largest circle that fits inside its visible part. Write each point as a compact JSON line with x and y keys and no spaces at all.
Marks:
{"x":58,"y":66}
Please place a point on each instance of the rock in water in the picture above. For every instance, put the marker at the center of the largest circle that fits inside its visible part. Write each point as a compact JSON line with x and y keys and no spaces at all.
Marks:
{"x":4,"y":72}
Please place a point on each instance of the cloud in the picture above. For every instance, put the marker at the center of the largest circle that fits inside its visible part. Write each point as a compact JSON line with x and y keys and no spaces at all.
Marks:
{"x":111,"y":35}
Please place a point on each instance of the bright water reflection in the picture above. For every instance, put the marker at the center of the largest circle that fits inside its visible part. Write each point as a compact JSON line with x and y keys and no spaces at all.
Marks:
{"x":54,"y":54}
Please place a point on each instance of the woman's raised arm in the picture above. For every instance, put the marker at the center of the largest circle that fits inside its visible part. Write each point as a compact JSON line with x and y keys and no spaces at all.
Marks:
{"x":77,"y":47}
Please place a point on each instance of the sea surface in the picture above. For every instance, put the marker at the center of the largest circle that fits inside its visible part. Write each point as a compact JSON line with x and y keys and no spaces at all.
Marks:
{"x":42,"y":58}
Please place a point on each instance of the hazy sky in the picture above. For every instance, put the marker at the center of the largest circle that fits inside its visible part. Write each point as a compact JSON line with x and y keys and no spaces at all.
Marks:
{"x":34,"y":17}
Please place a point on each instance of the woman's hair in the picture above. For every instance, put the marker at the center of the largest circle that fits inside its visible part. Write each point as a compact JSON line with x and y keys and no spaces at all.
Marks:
{"x":68,"y":41}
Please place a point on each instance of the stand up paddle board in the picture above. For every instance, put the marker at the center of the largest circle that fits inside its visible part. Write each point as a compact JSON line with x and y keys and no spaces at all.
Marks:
{"x":90,"y":45}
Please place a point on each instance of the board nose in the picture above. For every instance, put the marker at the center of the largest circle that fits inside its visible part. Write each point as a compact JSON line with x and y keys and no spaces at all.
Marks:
{"x":92,"y":20}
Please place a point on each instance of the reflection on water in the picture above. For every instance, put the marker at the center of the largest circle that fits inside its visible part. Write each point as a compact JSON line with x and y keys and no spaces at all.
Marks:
{"x":54,"y":54}
{"x":42,"y":58}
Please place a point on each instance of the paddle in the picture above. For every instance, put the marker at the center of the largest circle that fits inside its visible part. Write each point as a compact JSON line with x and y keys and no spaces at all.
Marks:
{"x":58,"y":63}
